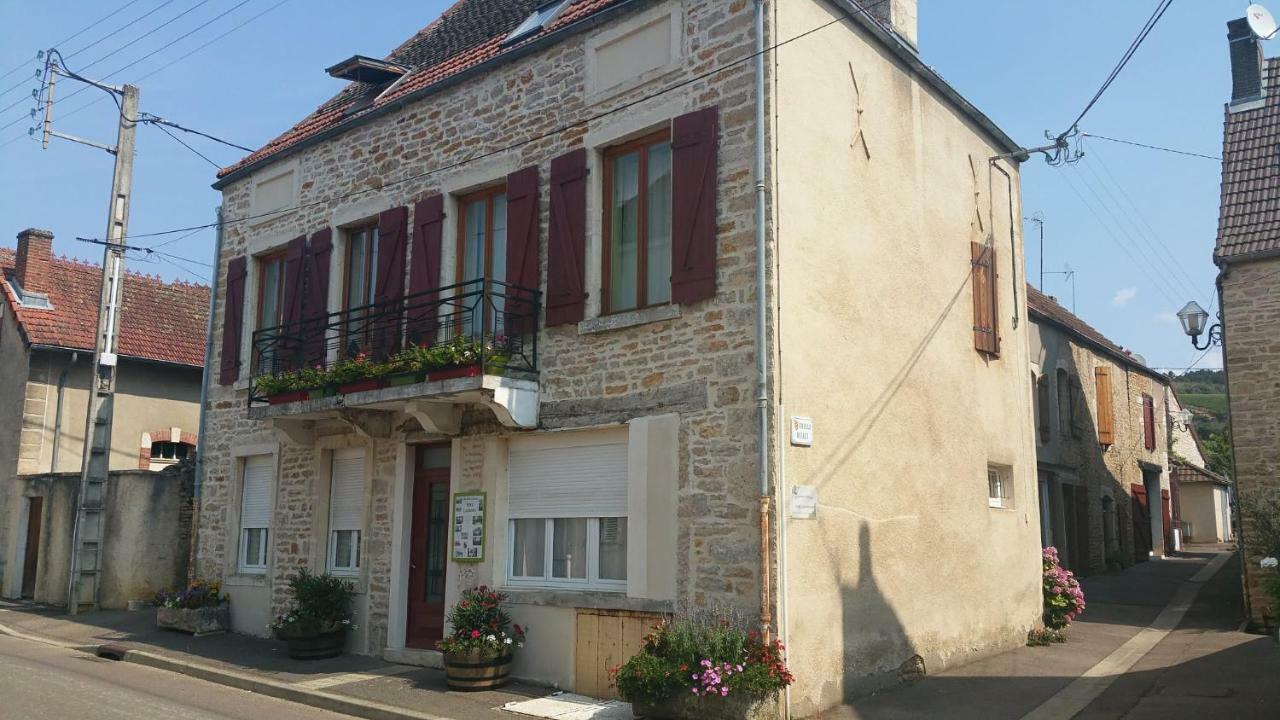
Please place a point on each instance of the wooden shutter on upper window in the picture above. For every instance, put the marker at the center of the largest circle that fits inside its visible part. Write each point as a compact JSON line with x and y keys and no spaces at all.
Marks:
{"x":315,"y":307}
{"x":424,"y":269}
{"x":1102,"y":387}
{"x":694,"y":138}
{"x":1042,"y":408}
{"x":389,"y":285}
{"x":985,"y":332}
{"x":566,"y":251}
{"x":522,"y":251}
{"x":232,"y":321}
{"x":288,"y":345}
{"x":1148,"y":422}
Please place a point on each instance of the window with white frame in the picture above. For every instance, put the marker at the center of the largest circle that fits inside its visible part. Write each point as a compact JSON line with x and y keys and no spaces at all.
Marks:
{"x":999,"y":487}
{"x":346,"y":510}
{"x":567,"y":517}
{"x":255,"y":512}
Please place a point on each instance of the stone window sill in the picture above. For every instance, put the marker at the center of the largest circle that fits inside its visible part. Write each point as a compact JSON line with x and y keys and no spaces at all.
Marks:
{"x":618,"y":321}
{"x":243,"y":579}
{"x":589,"y":600}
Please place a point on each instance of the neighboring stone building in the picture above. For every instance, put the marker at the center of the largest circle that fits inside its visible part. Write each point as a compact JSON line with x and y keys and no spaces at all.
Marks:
{"x":1248,"y":257}
{"x":571,"y":186}
{"x":48,"y":319}
{"x":1102,"y":439}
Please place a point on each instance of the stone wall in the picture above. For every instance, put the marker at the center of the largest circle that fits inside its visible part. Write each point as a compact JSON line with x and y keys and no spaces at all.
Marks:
{"x":1251,"y":321}
{"x":699,"y":358}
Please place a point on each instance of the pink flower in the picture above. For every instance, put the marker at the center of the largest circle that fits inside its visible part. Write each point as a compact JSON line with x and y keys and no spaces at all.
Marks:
{"x":475,"y":634}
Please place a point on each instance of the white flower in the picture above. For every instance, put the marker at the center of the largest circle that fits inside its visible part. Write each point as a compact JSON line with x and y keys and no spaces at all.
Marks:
{"x":491,"y":639}
{"x":507,"y":641}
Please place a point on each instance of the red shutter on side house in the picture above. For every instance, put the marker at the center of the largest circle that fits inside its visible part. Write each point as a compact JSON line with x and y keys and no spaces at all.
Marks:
{"x":315,"y":307}
{"x":566,"y":250}
{"x":424,"y":270}
{"x":389,"y":284}
{"x":522,"y":252}
{"x":232,"y":321}
{"x":288,"y":345}
{"x":693,"y":205}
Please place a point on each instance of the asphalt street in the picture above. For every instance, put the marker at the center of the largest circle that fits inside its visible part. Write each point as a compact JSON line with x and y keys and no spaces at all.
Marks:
{"x":39,"y":682}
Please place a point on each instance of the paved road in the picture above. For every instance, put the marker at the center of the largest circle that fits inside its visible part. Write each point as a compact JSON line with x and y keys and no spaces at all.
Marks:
{"x":39,"y":682}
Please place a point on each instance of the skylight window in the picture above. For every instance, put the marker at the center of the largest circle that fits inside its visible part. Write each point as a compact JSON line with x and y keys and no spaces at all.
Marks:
{"x":543,"y":14}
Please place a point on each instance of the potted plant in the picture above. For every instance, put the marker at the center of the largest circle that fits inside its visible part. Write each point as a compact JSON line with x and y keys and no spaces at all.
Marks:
{"x":1063,"y":600}
{"x":317,"y":622}
{"x":705,"y":666}
{"x":460,"y":357}
{"x":200,"y":608}
{"x":477,"y":651}
{"x":280,"y":388}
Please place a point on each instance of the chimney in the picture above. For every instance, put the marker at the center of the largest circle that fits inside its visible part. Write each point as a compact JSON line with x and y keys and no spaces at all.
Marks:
{"x":899,"y":15}
{"x":1246,"y":62}
{"x":35,"y":254}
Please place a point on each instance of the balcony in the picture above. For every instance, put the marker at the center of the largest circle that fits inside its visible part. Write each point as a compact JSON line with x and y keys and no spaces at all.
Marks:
{"x":428,"y":356}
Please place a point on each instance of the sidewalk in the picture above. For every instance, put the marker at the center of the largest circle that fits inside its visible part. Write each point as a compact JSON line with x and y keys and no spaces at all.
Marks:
{"x":1204,"y":668}
{"x":358,"y":685}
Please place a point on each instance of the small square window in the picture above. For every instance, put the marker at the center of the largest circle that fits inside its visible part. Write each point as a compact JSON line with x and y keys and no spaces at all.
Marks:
{"x":254,"y":544}
{"x":999,"y":487}
{"x":344,"y":550}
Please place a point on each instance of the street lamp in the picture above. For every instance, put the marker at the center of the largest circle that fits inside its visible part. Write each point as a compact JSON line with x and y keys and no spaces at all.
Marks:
{"x":1193,"y":319}
{"x":1183,"y":419}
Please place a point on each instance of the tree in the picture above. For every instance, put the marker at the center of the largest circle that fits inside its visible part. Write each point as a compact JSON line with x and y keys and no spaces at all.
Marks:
{"x":1217,"y":452}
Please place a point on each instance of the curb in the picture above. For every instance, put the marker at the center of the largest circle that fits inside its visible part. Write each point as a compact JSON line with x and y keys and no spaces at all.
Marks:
{"x":355,"y":707}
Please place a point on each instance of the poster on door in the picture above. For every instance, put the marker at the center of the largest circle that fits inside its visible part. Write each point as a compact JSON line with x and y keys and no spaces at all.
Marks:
{"x":468,"y":527}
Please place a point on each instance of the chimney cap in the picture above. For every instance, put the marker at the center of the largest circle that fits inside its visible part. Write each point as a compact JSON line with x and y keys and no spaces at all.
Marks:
{"x":37,"y":233}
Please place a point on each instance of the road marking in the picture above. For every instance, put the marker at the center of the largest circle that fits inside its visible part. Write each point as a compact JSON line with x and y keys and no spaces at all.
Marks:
{"x":344,"y":678}
{"x":1085,"y":689}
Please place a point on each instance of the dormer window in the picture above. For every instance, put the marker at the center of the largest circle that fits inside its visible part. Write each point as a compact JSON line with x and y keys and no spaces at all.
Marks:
{"x":362,"y":69}
{"x":542,"y":15}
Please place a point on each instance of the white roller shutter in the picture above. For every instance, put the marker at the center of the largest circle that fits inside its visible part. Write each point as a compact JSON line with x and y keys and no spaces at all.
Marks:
{"x":565,"y":482}
{"x":255,"y":504}
{"x":346,"y":497}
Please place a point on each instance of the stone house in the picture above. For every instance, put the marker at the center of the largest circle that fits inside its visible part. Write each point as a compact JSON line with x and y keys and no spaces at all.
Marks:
{"x":1247,"y":253}
{"x":48,"y":319}
{"x":795,"y":399}
{"x":1203,"y":499}
{"x":1102,"y":444}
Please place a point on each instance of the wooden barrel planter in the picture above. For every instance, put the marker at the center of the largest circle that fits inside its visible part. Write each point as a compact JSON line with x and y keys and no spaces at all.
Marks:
{"x":472,"y":671}
{"x":316,"y":647}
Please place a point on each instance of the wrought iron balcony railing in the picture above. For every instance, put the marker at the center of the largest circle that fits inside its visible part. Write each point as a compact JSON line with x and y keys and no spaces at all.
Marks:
{"x":485,"y":323}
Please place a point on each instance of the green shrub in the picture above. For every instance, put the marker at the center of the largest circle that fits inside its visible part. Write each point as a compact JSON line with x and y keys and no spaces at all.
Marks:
{"x":320,"y":604}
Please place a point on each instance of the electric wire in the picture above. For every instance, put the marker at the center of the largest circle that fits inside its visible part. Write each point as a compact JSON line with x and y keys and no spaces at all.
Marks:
{"x":122,"y":28}
{"x":1161,"y":7}
{"x":1153,"y":147}
{"x":179,"y":140}
{"x":76,"y":34}
{"x":519,"y":143}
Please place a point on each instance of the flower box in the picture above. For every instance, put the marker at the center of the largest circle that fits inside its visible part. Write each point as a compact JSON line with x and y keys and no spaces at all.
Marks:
{"x":360,"y":386}
{"x":197,"y":621}
{"x":409,"y":378}
{"x":287,"y":397}
{"x":476,"y":670}
{"x":456,"y":372}
{"x":693,"y":707}
{"x":317,"y":393}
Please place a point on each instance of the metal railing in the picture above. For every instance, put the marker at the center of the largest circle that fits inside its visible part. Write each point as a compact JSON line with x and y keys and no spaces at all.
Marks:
{"x":494,"y":321}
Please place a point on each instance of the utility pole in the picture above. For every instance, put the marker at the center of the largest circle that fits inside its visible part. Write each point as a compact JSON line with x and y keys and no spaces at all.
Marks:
{"x":83,"y":583}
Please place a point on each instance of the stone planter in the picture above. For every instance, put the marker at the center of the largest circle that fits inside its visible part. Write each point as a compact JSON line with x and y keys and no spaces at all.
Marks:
{"x":197,"y":621}
{"x":315,"y":647}
{"x":473,"y":671}
{"x":692,"y":707}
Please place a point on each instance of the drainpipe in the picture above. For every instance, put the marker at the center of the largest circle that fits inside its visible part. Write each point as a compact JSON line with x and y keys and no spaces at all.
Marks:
{"x":201,"y":437}
{"x":762,"y":358}
{"x":57,"y":415}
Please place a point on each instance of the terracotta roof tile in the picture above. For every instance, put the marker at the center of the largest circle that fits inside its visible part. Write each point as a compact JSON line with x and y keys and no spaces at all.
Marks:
{"x":1184,"y":472}
{"x":1048,"y":308}
{"x":467,"y":34}
{"x":1249,"y":215}
{"x":160,"y":320}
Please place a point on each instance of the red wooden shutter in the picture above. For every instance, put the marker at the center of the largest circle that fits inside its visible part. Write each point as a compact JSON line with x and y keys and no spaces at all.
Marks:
{"x":288,"y":339}
{"x":315,"y":307}
{"x":693,"y":205}
{"x":424,"y":270}
{"x":1149,"y":422}
{"x":389,"y":285}
{"x":985,"y":337}
{"x":232,"y":321}
{"x":566,"y":251}
{"x":1042,"y":407}
{"x":522,"y":252}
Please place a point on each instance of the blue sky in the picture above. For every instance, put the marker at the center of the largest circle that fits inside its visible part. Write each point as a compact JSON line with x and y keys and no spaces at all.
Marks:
{"x":1137,"y":226}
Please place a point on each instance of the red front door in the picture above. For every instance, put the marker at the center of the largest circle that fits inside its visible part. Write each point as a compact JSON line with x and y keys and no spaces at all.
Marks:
{"x":1141,"y":523}
{"x":428,"y":553}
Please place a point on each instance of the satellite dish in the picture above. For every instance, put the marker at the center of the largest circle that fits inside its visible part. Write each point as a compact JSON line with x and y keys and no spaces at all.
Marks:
{"x":1261,"y":21}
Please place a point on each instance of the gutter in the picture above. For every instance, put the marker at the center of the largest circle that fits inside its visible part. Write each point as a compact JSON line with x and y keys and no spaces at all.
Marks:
{"x":524,"y":50}
{"x":762,"y":357}
{"x":135,"y":358}
{"x":909,"y":57}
